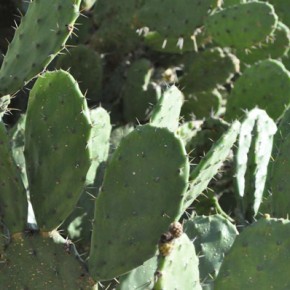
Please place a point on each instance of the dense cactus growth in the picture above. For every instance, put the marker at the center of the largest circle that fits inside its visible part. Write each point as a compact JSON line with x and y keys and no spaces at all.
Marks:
{"x":144,"y":145}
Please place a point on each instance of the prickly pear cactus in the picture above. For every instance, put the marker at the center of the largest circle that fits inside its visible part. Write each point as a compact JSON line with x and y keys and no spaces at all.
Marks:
{"x":265,"y":84}
{"x":275,"y":47}
{"x":213,"y":237}
{"x":13,"y":200}
{"x":37,"y":262}
{"x":180,"y":268}
{"x":85,"y":65}
{"x":141,"y":277}
{"x":243,"y":25}
{"x":207,"y":69}
{"x":180,"y":21}
{"x":150,"y":190}
{"x":57,"y":126}
{"x":208,"y":167}
{"x":257,"y":257}
{"x":253,"y":153}
{"x":79,"y":223}
{"x":49,"y":31}
{"x":167,"y":110}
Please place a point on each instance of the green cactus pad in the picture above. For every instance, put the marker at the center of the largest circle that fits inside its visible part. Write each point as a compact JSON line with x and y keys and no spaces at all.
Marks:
{"x":139,"y":93}
{"x":85,"y":65}
{"x":13,"y":201}
{"x":181,"y":20}
{"x":276,"y":46}
{"x":79,"y":223}
{"x":179,"y":270}
{"x":266,"y":85}
{"x":141,"y":278}
{"x":258,"y":258}
{"x":35,"y":262}
{"x":243,"y":25}
{"x":167,"y":110}
{"x":206,"y":70}
{"x":209,"y":165}
{"x":141,"y":195}
{"x":99,"y":141}
{"x":57,"y":156}
{"x":213,"y":237}
{"x":252,"y":156}
{"x":40,"y":36}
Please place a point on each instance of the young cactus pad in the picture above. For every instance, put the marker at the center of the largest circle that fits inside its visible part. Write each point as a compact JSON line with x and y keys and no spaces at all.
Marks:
{"x":254,"y":149}
{"x":167,"y":110}
{"x":209,"y":165}
{"x":141,"y":195}
{"x":57,"y":156}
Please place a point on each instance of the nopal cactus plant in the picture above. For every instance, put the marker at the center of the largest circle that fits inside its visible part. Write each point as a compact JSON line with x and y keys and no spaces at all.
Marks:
{"x":112,"y":154}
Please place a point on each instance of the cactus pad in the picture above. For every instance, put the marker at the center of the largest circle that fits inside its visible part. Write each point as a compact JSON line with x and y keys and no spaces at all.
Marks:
{"x":167,"y":110}
{"x":213,"y":237}
{"x":266,"y":85}
{"x":181,"y":20}
{"x":13,"y":201}
{"x":85,"y":65}
{"x":35,"y":262}
{"x":40,"y":36}
{"x":56,"y":147}
{"x":257,"y":257}
{"x":209,"y":165}
{"x":178,"y":270}
{"x":243,"y":25}
{"x":141,"y":195}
